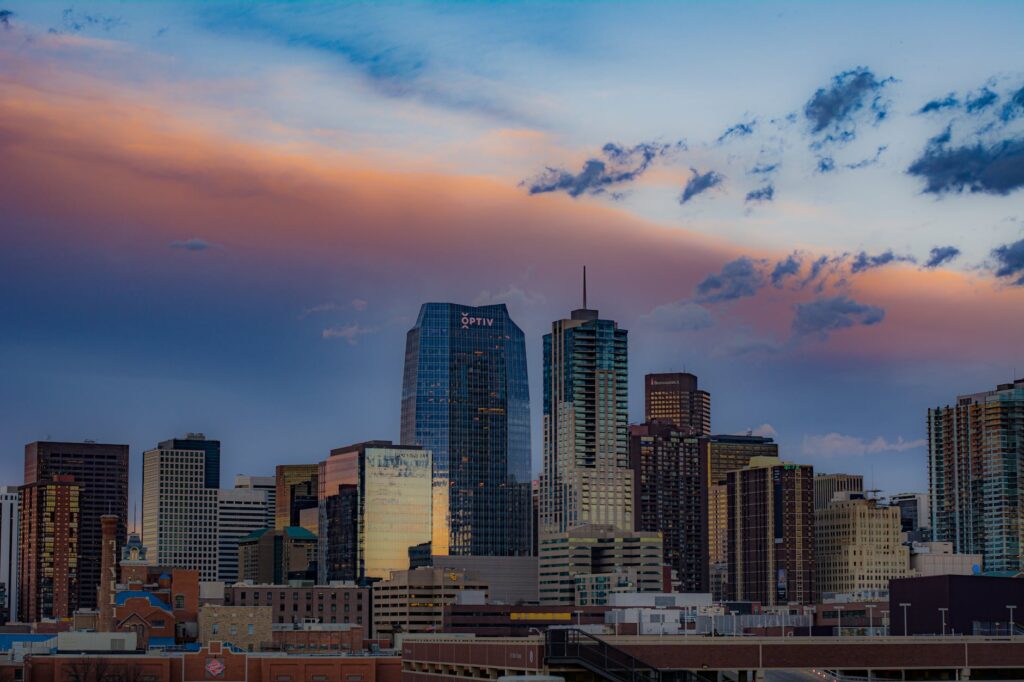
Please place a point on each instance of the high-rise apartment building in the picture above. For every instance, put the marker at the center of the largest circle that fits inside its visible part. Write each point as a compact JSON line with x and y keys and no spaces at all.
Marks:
{"x":857,"y":545}
{"x":268,"y":484}
{"x":240,"y":511}
{"x":675,"y":396}
{"x":671,"y":498}
{"x":50,"y":549}
{"x":584,"y":565}
{"x":376,"y":500}
{"x":718,"y":537}
{"x":297,"y":487}
{"x":975,"y":455}
{"x":179,"y":509}
{"x":10,"y":508}
{"x":586,"y":478}
{"x":827,"y":485}
{"x":771,"y":533}
{"x":465,"y":398}
{"x":914,"y":511}
{"x":100,"y":470}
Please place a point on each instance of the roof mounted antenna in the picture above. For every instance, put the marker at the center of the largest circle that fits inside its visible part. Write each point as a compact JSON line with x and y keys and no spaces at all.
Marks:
{"x":584,"y":287}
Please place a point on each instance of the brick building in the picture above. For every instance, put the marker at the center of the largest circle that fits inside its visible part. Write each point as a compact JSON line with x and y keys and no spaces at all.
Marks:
{"x":305,"y":602}
{"x":247,"y":627}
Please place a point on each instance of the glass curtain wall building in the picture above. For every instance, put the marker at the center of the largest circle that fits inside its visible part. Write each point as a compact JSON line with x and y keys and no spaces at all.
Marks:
{"x":465,"y":398}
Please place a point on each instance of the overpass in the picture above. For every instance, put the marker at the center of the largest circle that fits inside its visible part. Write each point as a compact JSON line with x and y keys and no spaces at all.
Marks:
{"x":581,"y":657}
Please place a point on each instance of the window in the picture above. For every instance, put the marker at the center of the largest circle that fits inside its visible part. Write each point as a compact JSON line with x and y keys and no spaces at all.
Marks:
{"x":215,"y":628}
{"x":250,"y":629}
{"x":233,"y":630}
{"x":179,"y":601}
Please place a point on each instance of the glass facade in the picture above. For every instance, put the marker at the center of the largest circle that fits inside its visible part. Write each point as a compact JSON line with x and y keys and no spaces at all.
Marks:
{"x":376,"y":504}
{"x":465,"y":397}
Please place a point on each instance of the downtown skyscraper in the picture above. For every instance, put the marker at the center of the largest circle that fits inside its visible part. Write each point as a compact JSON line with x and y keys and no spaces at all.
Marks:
{"x":93,"y":481}
{"x":975,"y":460}
{"x":466,"y":400}
{"x":586,"y":477}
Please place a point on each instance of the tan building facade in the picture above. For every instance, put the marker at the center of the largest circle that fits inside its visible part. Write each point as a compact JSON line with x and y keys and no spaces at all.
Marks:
{"x":572,"y":565}
{"x":414,"y":600}
{"x":858,"y":545}
{"x":247,"y":627}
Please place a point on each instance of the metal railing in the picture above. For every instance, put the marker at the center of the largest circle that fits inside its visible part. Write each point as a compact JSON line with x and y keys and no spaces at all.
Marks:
{"x":601,"y":658}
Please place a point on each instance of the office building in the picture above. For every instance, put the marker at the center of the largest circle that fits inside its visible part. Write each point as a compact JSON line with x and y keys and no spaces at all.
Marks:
{"x":267,"y":484}
{"x":465,"y":399}
{"x":721,"y":454}
{"x":100,"y":471}
{"x":414,"y":600}
{"x":240,"y":511}
{"x":50,"y":550}
{"x":827,"y":485}
{"x":857,"y":545}
{"x":297,"y":487}
{"x":246,"y":627}
{"x":937,"y":558}
{"x":724,"y":453}
{"x":510,"y":580}
{"x":585,"y":477}
{"x":914,"y":512}
{"x":675,"y":396}
{"x":975,"y":450}
{"x":376,"y":502}
{"x":670,"y":498}
{"x":718,"y":535}
{"x":586,"y":564}
{"x":276,"y":556}
{"x":10,"y":508}
{"x":770,"y":547}
{"x":179,"y":508}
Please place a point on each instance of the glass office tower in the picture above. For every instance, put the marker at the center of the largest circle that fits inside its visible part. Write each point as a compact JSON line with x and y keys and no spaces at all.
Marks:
{"x":465,"y":398}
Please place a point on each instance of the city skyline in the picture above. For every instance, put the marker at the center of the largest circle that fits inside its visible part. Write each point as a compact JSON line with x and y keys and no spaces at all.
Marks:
{"x":223,"y":219}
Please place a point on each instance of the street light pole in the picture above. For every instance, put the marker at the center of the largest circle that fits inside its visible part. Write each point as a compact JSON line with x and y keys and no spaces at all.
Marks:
{"x":839,"y":612}
{"x":871,"y":618}
{"x":942,"y":610}
{"x":1011,"y":607}
{"x":905,"y":606}
{"x":733,"y":623}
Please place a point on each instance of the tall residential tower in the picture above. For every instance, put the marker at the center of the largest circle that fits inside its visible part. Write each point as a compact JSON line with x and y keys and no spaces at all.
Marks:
{"x":586,"y":478}
{"x":466,"y":400}
{"x":975,"y":462}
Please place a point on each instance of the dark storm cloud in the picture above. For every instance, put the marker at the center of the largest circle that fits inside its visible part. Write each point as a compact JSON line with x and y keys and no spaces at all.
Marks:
{"x":982,"y":100}
{"x":996,"y":168}
{"x":1010,"y":260}
{"x":738,"y":279}
{"x":948,"y":102}
{"x":765,"y":168}
{"x":826,"y":164}
{"x":5,"y":17}
{"x":1013,"y":108}
{"x":849,"y":93}
{"x":766,"y":193}
{"x":941,"y":255}
{"x":616,"y":165}
{"x":825,"y":315}
{"x":75,"y":22}
{"x":785,"y":268}
{"x":862,"y":261}
{"x":738,"y":130}
{"x":700,"y":182}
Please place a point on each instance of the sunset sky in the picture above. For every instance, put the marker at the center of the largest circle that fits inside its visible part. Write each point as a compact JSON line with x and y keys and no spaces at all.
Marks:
{"x":224,"y":217}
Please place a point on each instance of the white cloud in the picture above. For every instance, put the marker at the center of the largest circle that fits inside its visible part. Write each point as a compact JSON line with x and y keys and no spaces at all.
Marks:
{"x":766,"y":430}
{"x":512,"y":296}
{"x":840,"y":445}
{"x":350,"y":332}
{"x":359,"y":304}
{"x":327,"y":307}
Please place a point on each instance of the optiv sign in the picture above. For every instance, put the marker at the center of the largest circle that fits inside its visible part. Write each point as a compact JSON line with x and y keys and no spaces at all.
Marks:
{"x":470,"y":321}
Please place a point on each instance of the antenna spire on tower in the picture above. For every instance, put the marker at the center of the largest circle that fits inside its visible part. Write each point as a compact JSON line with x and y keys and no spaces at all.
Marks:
{"x":584,"y":287}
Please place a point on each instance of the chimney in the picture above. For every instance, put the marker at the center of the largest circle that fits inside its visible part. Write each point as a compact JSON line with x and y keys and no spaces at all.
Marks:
{"x":108,"y":574}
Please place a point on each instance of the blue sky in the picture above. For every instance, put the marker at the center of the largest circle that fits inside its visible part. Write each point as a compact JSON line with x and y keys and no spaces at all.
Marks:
{"x":224,"y":216}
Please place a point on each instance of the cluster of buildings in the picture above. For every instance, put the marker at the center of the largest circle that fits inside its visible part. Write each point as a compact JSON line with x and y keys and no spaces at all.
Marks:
{"x":446,"y":531}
